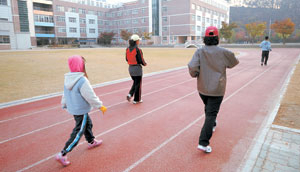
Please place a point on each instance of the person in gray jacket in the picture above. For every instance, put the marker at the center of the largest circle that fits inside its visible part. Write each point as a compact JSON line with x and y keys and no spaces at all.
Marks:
{"x":209,"y":65}
{"x":78,"y":99}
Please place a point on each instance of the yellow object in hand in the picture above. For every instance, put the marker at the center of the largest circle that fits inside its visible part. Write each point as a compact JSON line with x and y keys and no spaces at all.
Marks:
{"x":103,"y":109}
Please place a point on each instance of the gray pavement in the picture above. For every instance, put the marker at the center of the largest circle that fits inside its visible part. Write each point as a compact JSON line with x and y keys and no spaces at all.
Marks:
{"x":280,"y":151}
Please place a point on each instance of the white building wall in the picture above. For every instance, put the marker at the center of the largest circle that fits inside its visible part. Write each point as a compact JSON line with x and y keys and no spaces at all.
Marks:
{"x":23,"y":41}
{"x":72,"y":25}
{"x":91,"y":26}
{"x":198,"y":23}
{"x":30,"y":18}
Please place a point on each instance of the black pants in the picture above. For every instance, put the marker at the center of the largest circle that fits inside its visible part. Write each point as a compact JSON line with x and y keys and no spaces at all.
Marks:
{"x":264,"y":57}
{"x":83,"y":126}
{"x":136,"y":88}
{"x":212,"y":106}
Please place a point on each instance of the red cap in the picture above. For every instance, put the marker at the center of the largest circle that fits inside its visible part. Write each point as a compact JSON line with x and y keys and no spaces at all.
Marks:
{"x":211,"y":31}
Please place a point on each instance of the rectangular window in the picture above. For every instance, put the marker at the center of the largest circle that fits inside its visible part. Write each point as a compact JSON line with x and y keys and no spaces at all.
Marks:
{"x":3,"y":2}
{"x":91,"y":12}
{"x":61,"y":30}
{"x":165,"y":38}
{"x":164,"y":9}
{"x":81,"y":11}
{"x":198,"y":28}
{"x":82,"y":30}
{"x":134,"y":21}
{"x":143,"y":20}
{"x":72,"y":19}
{"x":82,"y":21}
{"x":91,"y":21}
{"x":165,"y":29}
{"x":23,"y":16}
{"x":165,"y":19}
{"x":60,"y":18}
{"x":4,"y":39}
{"x":73,"y":30}
{"x":92,"y":30}
{"x":193,"y":17}
{"x":99,"y":13}
{"x":198,"y":18}
{"x":135,"y":11}
{"x":60,"y":8}
{"x":193,"y":6}
{"x":73,"y":10}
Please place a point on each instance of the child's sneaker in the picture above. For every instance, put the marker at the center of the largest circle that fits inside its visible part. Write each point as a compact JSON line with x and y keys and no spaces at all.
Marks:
{"x":95,"y":143}
{"x":128,"y":97}
{"x":62,"y":159}
{"x":206,"y":149}
{"x":136,"y":102}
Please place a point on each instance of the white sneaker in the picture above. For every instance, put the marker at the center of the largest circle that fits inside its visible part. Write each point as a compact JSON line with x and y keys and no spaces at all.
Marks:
{"x":214,"y":128}
{"x":206,"y":149}
{"x":134,"y":102}
{"x":128,"y":97}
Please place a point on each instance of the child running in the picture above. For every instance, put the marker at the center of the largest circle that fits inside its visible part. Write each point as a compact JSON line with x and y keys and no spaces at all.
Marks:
{"x":209,"y":65}
{"x":79,"y":98}
{"x":134,"y":57}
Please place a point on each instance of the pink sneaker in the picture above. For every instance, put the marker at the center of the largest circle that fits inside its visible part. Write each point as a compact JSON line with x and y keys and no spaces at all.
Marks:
{"x":62,"y":159}
{"x":94,"y":144}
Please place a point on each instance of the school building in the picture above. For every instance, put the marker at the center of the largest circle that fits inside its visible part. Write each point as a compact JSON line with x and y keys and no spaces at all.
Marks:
{"x":29,"y":23}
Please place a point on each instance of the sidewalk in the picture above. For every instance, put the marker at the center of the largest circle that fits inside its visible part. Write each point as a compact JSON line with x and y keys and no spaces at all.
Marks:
{"x":280,"y":151}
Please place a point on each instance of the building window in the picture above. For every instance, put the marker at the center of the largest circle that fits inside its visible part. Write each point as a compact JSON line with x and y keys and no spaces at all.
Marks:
{"x":135,"y":11}
{"x":198,"y":18}
{"x":92,"y":30}
{"x":3,"y":2}
{"x":91,"y":12}
{"x":193,"y":6}
{"x":82,"y":30}
{"x":82,"y":21}
{"x":73,"y":10}
{"x":72,"y":19}
{"x":91,"y":21}
{"x":60,"y":18}
{"x":193,"y":17}
{"x":81,"y":11}
{"x":164,"y":9}
{"x":165,"y":19}
{"x":23,"y":16}
{"x":143,"y":10}
{"x":43,"y":18}
{"x":198,"y":7}
{"x":60,"y":8}
{"x":198,"y":28}
{"x":61,"y":30}
{"x":165,"y":38}
{"x":73,"y":30}
{"x":135,"y":21}
{"x":4,"y":39}
{"x":143,"y":20}
{"x":135,"y":30}
{"x":99,"y":13}
{"x":165,"y":29}
{"x":193,"y":28}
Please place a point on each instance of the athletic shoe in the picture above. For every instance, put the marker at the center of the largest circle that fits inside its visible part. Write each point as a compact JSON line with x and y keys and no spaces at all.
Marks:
{"x":262,"y":64}
{"x":95,"y":143}
{"x":214,"y":128}
{"x":128,"y":97}
{"x":206,"y":149}
{"x":134,"y":102}
{"x":62,"y":159}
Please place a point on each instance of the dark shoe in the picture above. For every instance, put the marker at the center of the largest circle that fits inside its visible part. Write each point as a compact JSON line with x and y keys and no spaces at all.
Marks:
{"x":128,"y":97}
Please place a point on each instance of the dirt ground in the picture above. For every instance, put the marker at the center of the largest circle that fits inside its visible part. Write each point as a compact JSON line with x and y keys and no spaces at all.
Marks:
{"x":25,"y":74}
{"x":289,"y":112}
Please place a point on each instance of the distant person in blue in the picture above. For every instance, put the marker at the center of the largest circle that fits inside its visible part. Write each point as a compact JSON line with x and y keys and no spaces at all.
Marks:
{"x":266,"y":48}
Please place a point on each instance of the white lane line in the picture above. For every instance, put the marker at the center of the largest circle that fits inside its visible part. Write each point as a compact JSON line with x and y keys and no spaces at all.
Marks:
{"x":112,"y":129}
{"x":188,"y":126}
{"x":58,"y":123}
{"x":42,"y":97}
{"x":101,"y":95}
{"x":115,"y":128}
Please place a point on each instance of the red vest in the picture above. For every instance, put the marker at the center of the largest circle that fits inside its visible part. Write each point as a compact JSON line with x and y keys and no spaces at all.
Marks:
{"x":131,"y":56}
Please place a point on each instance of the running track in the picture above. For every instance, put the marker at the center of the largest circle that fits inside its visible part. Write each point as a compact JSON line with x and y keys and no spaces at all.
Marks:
{"x":158,"y":135}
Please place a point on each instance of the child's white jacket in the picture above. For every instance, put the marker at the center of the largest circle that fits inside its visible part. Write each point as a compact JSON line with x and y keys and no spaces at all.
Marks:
{"x":79,"y":97}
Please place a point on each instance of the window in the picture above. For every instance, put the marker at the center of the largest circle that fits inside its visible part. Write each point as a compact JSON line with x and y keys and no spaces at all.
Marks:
{"x":61,"y":30}
{"x":91,"y":12}
{"x":165,"y":38}
{"x":198,"y":7}
{"x":4,"y":39}
{"x":3,"y":2}
{"x":73,"y":30}
{"x":135,"y":30}
{"x":82,"y":21}
{"x":164,"y":9}
{"x":72,"y":19}
{"x":99,"y":13}
{"x":82,"y":30}
{"x":165,"y":29}
{"x":193,"y":28}
{"x":198,"y":18}
{"x":135,"y":11}
{"x":143,"y":10}
{"x":91,"y":21}
{"x":73,"y":10}
{"x":60,"y":8}
{"x":193,"y":17}
{"x":143,"y":20}
{"x":193,"y":6}
{"x":92,"y":30}
{"x":134,"y":21}
{"x":81,"y":11}
{"x":165,"y":19}
{"x":198,"y":28}
{"x":60,"y":18}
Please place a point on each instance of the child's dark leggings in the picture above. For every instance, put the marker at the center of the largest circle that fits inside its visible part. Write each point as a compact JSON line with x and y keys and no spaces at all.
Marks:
{"x":83,"y":126}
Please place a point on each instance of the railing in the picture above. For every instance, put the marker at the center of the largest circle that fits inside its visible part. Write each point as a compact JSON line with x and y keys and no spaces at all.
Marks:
{"x":43,"y":9}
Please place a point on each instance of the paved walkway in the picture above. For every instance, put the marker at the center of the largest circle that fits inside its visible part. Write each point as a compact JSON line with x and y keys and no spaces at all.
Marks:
{"x":280,"y":151}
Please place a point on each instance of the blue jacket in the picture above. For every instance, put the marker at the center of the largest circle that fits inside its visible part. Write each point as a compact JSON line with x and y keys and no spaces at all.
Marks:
{"x":79,"y":97}
{"x":265,"y":46}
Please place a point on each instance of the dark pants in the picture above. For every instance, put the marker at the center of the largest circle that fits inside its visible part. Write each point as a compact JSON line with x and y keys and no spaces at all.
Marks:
{"x":83,"y":126}
{"x":136,"y":88}
{"x":212,"y":106}
{"x":264,"y":57}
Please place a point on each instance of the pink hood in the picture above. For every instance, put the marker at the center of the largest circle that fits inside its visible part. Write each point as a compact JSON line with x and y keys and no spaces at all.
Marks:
{"x":76,"y":63}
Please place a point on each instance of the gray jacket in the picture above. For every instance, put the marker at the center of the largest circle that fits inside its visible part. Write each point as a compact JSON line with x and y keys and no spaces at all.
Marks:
{"x":209,"y":66}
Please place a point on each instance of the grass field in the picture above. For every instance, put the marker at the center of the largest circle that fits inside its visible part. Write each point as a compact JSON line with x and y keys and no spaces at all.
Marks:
{"x":25,"y":74}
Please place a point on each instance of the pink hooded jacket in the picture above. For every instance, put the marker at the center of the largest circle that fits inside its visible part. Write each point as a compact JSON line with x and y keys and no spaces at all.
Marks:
{"x":76,"y":63}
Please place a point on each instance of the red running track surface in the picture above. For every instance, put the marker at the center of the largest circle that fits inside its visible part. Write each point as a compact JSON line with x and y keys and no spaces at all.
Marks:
{"x":160,"y":134}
